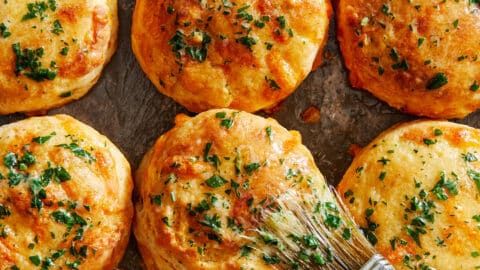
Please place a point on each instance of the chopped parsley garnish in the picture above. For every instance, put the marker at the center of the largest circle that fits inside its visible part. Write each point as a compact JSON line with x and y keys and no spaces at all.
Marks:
{"x":57,"y":27}
{"x":270,"y":259}
{"x":78,"y":151}
{"x":216,"y":181}
{"x":179,"y":45}
{"x":211,"y":222}
{"x":28,"y":62}
{"x":44,"y":139}
{"x":469,"y":157}
{"x":475,"y":177}
{"x":227,"y":123}
{"x":4,"y":31}
{"x":439,"y":80}
{"x":35,"y":260}
{"x":246,"y":41}
{"x":281,"y":21}
{"x":156,"y":199}
{"x":428,"y":141}
{"x":4,"y":211}
{"x":272,"y":84}
{"x":475,"y":86}
{"x":36,"y":9}
{"x":444,"y":183}
{"x":69,"y":219}
{"x":245,"y":250}
{"x":250,"y":168}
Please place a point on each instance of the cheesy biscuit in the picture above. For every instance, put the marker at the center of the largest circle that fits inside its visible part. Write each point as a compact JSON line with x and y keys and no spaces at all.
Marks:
{"x":420,"y":56}
{"x":52,"y":52}
{"x":65,"y":196}
{"x":245,"y":55}
{"x":415,"y":192}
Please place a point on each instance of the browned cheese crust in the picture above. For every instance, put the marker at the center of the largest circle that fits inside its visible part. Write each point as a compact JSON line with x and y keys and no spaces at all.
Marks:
{"x":415,"y":191}
{"x":65,"y":196}
{"x":419,"y":56}
{"x":204,"y":183}
{"x":52,"y":52}
{"x":244,"y":54}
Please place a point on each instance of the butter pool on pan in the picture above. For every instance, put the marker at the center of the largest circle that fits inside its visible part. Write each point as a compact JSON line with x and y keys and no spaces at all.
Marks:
{"x":52,"y":52}
{"x":245,"y":55}
{"x":415,"y":191}
{"x":65,"y":196}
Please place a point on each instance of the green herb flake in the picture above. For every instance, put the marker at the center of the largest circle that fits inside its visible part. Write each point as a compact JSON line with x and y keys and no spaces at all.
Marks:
{"x":437,"y":132}
{"x":455,"y":23}
{"x":475,"y":86}
{"x":156,"y":199}
{"x":227,"y":123}
{"x":469,"y":157}
{"x":4,"y":212}
{"x":212,"y":222}
{"x":272,"y":84}
{"x":250,"y":168}
{"x":347,"y":234}
{"x":78,"y":151}
{"x":216,"y":181}
{"x":428,"y":141}
{"x":34,"y":10}
{"x":281,"y":21}
{"x":44,"y":139}
{"x":28,"y":63}
{"x":246,"y":41}
{"x":4,"y":31}
{"x":420,"y":42}
{"x":268,"y":130}
{"x":270,"y":259}
{"x":57,"y":27}
{"x":64,"y":51}
{"x":35,"y":260}
{"x":475,"y":176}
{"x":166,"y":221}
{"x":245,"y":250}
{"x":438,"y":80}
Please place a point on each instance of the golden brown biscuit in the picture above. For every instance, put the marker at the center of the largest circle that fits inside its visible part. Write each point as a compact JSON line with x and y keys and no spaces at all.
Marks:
{"x":65,"y":196}
{"x":52,"y":52}
{"x":415,"y":190}
{"x":245,"y":55}
{"x":204,"y":184}
{"x":419,"y":56}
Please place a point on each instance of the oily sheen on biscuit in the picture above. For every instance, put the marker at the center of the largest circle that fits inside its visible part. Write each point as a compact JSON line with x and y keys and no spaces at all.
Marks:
{"x":203,"y":186}
{"x":52,"y":52}
{"x":420,"y":57}
{"x":245,"y":55}
{"x":65,"y":196}
{"x":415,"y":191}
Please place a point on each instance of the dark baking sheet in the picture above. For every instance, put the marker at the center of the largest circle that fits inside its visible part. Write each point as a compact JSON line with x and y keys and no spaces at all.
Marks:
{"x":127,"y":108}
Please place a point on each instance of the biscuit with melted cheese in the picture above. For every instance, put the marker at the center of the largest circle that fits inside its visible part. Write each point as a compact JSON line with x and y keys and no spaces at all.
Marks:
{"x":245,"y":55}
{"x":421,"y":57}
{"x":415,"y":191}
{"x":65,"y":196}
{"x":203,"y":185}
{"x":52,"y":52}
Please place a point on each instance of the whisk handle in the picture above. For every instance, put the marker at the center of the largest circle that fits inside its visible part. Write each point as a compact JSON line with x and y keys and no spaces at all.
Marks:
{"x":377,"y":262}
